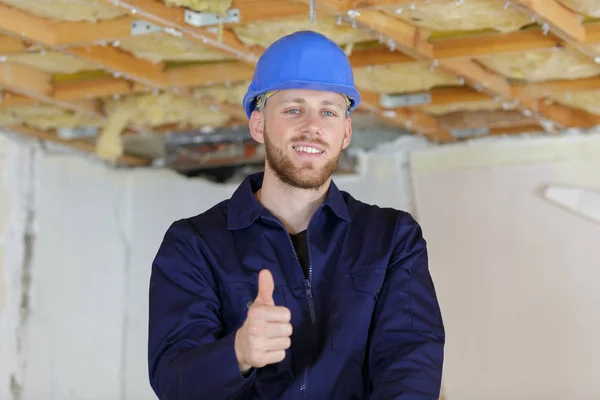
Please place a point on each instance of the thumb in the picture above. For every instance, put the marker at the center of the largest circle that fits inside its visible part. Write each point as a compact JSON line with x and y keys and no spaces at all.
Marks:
{"x":266,"y":286}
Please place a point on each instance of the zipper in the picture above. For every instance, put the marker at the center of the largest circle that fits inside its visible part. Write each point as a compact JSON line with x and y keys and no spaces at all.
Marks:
{"x":307,"y":286}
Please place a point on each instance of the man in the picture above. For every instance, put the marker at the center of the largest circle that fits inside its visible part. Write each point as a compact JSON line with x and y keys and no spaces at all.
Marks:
{"x":293,"y":289}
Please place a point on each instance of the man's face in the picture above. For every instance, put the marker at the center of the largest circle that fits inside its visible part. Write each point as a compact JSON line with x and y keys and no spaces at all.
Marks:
{"x":304,"y":133}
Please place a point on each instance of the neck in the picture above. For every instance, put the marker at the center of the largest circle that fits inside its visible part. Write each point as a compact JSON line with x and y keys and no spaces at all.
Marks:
{"x":293,"y":206}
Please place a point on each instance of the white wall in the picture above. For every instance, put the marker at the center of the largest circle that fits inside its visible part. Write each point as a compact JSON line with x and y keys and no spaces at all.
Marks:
{"x":96,"y":233}
{"x":517,"y":276}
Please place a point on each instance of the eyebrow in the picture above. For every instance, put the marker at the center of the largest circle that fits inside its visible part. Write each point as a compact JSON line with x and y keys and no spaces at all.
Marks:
{"x":302,"y":101}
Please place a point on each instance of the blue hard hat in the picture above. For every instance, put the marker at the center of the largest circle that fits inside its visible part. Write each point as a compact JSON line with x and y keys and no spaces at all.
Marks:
{"x":302,"y":60}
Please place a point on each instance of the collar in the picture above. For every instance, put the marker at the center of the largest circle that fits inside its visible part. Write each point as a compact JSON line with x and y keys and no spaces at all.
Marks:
{"x":243,"y":209}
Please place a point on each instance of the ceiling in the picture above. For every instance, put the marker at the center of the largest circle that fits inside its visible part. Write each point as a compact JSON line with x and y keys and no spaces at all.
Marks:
{"x":137,"y":81}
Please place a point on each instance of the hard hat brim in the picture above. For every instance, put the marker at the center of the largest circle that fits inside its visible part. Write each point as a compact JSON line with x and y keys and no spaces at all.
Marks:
{"x":249,"y":101}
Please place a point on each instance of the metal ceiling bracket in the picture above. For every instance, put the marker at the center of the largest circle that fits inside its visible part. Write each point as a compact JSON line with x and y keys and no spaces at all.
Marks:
{"x":474,"y":132}
{"x":197,"y":18}
{"x":77,"y":133}
{"x":141,"y":27}
{"x":405,"y":100}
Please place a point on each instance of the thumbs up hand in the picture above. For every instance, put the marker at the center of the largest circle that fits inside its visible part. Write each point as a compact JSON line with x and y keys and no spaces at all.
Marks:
{"x":266,"y":332}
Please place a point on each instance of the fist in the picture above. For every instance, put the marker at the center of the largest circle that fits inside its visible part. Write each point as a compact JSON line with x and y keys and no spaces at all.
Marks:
{"x":265,"y":334}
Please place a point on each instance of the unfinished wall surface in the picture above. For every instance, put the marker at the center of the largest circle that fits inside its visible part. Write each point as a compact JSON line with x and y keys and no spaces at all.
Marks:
{"x":517,"y":276}
{"x":94,"y":234}
{"x":17,"y":226}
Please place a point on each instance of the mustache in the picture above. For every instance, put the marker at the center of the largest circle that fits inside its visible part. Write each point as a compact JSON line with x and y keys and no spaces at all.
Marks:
{"x":305,"y":139}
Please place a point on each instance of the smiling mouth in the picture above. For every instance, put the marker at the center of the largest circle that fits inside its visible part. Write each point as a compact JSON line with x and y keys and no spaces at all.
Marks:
{"x":307,"y":149}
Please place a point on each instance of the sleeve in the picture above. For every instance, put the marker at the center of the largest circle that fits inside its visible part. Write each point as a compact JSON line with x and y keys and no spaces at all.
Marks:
{"x":406,"y":351}
{"x":187,"y":356}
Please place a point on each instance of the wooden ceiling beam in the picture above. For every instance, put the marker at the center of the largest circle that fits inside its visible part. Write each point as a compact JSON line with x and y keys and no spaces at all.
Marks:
{"x":12,"y":45}
{"x":37,"y":85}
{"x":494,"y":43}
{"x":174,"y":18}
{"x":66,"y":33}
{"x":407,"y":38}
{"x":562,"y":21}
{"x":113,"y":59}
{"x":569,"y":116}
{"x":543,"y":89}
{"x":209,"y":74}
{"x":414,"y":41}
{"x":124,"y":64}
{"x":412,"y":120}
{"x":96,"y":88}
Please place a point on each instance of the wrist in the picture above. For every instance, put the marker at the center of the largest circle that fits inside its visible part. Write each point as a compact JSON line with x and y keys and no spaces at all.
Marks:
{"x":244,"y":367}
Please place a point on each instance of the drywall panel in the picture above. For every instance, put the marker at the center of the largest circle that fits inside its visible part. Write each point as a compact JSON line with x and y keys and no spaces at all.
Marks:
{"x":517,"y":276}
{"x":74,"y":330}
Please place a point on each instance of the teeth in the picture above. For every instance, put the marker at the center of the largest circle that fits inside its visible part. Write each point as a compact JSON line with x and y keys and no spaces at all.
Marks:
{"x":304,"y":149}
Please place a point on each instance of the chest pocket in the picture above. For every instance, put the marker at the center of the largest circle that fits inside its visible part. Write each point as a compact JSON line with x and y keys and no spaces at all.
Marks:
{"x":352,"y":303}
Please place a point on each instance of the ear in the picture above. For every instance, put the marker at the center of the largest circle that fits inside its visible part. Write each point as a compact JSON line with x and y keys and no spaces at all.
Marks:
{"x":257,"y":126}
{"x":347,"y":133}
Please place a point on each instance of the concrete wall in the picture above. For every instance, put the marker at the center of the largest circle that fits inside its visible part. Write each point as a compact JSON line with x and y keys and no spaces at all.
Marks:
{"x":83,"y":331}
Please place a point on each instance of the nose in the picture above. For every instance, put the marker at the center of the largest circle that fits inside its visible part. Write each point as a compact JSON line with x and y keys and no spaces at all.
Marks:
{"x":311,"y":124}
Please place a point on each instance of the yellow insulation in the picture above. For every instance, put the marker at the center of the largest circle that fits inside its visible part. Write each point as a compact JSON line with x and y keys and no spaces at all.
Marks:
{"x":46,"y":117}
{"x":542,"y":65}
{"x":265,"y":33}
{"x":401,"y":78}
{"x":212,"y":6}
{"x":588,"y":101}
{"x":159,"y":46}
{"x":468,"y":15}
{"x":68,"y":10}
{"x":586,"y":7}
{"x":53,"y":62}
{"x":149,"y":110}
{"x":232,"y":94}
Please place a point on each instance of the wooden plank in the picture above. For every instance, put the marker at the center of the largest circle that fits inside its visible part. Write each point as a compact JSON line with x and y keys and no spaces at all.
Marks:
{"x":562,"y":21}
{"x":376,"y":56}
{"x":543,"y":89}
{"x":174,"y":18}
{"x":484,"y":80}
{"x":9,"y":99}
{"x":25,"y":80}
{"x":77,"y":144}
{"x":516,"y":130}
{"x":412,"y":120}
{"x":27,"y":25}
{"x":37,"y":85}
{"x":96,"y":88}
{"x":269,"y":10}
{"x":114,"y":59}
{"x":209,"y":74}
{"x":78,"y":33}
{"x":592,"y":32}
{"x":569,"y":116}
{"x":495,"y":43}
{"x":407,"y":38}
{"x":10,"y":45}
